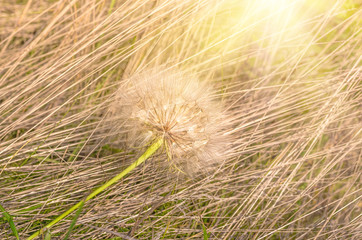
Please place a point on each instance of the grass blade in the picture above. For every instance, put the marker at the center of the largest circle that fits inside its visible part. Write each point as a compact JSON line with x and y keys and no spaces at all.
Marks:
{"x":206,"y":237}
{"x":9,"y":219}
{"x":48,"y":235}
{"x":72,"y":225}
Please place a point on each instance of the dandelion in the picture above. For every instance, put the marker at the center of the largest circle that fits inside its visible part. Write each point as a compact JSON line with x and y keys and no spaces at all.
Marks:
{"x":178,"y":108}
{"x":168,"y":108}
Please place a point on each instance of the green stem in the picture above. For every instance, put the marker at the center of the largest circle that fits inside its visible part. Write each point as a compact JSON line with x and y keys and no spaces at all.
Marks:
{"x":151,"y":150}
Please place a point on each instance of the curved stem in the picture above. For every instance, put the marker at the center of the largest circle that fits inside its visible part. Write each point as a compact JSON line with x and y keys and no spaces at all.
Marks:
{"x":151,"y":150}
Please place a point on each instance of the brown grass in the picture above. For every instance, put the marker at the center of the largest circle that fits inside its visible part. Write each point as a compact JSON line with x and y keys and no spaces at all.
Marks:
{"x":290,"y":76}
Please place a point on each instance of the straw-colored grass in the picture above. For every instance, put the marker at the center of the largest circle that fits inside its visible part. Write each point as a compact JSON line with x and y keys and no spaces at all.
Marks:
{"x":287,"y":72}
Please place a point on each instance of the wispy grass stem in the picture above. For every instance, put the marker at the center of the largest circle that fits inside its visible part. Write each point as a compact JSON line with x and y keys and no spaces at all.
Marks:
{"x":151,"y":150}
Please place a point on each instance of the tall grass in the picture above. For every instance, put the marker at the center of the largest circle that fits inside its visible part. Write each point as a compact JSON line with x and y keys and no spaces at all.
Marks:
{"x":288,"y":72}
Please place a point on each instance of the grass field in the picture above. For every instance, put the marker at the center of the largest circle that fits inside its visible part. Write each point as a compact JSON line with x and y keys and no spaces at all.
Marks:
{"x":268,"y":142}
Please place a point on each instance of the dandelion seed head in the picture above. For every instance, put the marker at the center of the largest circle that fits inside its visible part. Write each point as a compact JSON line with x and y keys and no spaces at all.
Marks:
{"x":178,"y":108}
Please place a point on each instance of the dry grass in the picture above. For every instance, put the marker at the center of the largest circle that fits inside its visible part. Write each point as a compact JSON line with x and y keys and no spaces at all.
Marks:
{"x":290,"y":76}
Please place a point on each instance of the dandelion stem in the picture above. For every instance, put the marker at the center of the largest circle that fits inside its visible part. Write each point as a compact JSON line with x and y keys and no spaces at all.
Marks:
{"x":151,"y":150}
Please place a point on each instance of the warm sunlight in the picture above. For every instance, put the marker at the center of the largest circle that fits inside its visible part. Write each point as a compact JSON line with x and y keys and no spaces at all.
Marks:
{"x":180,"y":119}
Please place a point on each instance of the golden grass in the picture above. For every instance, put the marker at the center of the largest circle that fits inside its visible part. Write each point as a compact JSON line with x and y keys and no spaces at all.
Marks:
{"x":288,"y":73}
